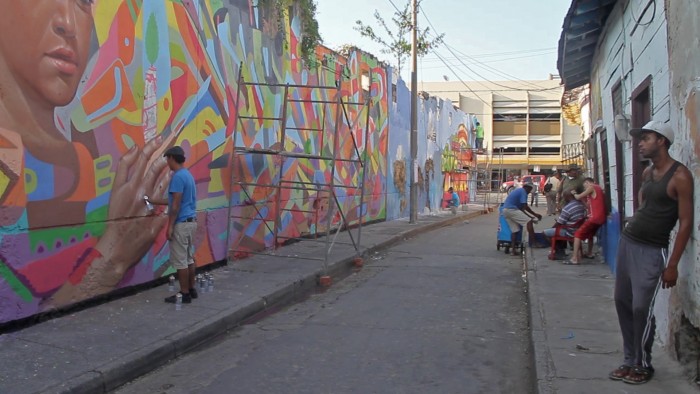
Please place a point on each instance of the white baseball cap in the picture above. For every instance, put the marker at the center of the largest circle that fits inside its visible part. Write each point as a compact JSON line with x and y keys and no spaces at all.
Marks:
{"x":657,"y":127}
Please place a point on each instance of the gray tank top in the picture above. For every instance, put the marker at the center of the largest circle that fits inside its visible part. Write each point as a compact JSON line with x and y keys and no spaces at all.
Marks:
{"x":654,"y":220}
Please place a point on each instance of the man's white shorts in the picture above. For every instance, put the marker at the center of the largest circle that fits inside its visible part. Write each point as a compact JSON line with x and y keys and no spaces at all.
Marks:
{"x":515,"y":218}
{"x":182,"y":245}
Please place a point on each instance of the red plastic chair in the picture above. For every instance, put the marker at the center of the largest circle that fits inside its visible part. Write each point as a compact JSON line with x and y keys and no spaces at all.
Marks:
{"x":560,"y":235}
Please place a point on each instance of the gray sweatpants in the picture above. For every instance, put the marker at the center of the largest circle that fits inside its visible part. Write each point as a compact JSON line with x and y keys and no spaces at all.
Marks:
{"x":638,"y":279}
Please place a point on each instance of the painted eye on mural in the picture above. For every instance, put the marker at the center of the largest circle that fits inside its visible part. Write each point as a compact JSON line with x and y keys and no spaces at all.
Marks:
{"x":86,"y":4}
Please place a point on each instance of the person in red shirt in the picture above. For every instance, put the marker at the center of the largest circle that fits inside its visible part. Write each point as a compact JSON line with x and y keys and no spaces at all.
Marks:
{"x":597,"y":216}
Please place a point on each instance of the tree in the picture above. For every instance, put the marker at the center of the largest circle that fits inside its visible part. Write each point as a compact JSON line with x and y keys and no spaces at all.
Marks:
{"x":398,"y":41}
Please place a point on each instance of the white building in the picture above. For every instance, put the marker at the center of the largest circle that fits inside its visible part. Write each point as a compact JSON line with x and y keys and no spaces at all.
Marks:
{"x":641,"y":60}
{"x":522,"y":120}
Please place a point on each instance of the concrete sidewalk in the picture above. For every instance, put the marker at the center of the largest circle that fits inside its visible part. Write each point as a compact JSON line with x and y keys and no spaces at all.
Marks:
{"x":101,"y":348}
{"x":575,"y":332}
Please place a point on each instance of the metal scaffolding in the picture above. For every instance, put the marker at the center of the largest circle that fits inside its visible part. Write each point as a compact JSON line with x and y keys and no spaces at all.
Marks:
{"x":325,"y":101}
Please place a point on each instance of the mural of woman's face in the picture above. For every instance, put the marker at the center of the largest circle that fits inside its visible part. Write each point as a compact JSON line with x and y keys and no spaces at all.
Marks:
{"x":45,"y":45}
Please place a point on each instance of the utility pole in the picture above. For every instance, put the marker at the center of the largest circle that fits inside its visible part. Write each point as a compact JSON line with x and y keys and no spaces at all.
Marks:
{"x":413,"y":202}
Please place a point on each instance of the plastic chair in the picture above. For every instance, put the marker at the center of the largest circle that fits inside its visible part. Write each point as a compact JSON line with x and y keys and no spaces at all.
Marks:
{"x":560,"y":234}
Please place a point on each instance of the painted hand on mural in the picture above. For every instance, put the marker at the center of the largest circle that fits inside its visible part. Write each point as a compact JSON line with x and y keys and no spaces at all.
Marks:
{"x":131,"y":232}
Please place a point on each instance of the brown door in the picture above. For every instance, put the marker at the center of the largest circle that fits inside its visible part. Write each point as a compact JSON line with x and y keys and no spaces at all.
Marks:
{"x":641,"y":114}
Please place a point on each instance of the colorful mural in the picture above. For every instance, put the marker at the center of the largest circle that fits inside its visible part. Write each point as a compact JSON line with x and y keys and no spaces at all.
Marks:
{"x":445,"y":138}
{"x":92,"y":93}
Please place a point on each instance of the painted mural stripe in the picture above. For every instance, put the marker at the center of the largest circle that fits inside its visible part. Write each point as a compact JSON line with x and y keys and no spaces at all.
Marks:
{"x":14,"y":282}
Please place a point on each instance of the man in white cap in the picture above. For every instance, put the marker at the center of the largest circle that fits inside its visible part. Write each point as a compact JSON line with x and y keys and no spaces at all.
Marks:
{"x":643,"y":262}
{"x":517,"y":213}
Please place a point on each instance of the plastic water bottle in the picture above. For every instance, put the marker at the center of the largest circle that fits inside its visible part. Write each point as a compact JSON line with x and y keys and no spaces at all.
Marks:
{"x":171,"y":283}
{"x":178,"y":301}
{"x":201,"y":283}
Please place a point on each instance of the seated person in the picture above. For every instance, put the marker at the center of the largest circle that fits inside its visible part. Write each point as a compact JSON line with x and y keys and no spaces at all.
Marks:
{"x":573,"y":212}
{"x":517,"y":213}
{"x":454,"y":201}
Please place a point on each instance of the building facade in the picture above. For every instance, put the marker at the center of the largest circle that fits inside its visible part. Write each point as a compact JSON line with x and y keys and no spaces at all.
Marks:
{"x":639,"y":61}
{"x":524,"y":128}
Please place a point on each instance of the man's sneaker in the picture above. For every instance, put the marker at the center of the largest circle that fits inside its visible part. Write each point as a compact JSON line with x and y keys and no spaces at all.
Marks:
{"x":193,"y":293}
{"x":186,"y":299}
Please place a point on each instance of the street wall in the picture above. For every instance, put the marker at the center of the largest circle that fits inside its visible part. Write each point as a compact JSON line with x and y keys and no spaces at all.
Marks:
{"x":444,"y":133}
{"x":627,"y":54}
{"x":683,"y":302}
{"x":83,"y":129}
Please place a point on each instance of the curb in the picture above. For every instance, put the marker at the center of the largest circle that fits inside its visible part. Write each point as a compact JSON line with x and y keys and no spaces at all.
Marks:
{"x":542,"y":360}
{"x":116,"y":373}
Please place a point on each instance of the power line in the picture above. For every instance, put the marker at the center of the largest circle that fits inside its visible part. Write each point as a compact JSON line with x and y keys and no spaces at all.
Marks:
{"x":491,"y":61}
{"x":534,"y":52}
{"x":460,"y":79}
{"x":395,"y":7}
{"x":472,"y":70}
{"x":494,"y":70}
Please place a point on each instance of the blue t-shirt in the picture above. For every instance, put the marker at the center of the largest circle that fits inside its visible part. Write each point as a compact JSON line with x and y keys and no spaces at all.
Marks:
{"x":516,"y":199}
{"x":183,"y":182}
{"x":455,"y":199}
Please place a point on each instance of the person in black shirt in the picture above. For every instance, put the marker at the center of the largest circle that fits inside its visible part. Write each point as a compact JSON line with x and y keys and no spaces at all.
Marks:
{"x":643,"y":262}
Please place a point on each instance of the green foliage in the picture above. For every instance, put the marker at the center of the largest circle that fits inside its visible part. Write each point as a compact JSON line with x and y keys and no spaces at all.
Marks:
{"x":397,"y":39}
{"x":311,"y":37}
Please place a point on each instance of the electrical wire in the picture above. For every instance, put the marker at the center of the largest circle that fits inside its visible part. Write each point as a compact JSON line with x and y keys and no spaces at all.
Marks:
{"x":496,"y":54}
{"x":460,"y":79}
{"x":395,"y":7}
{"x":496,"y":71}
{"x":493,"y":61}
{"x":472,"y":70}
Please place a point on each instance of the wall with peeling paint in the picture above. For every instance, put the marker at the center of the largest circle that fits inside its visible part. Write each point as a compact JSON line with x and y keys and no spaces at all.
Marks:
{"x":662,"y":43}
{"x":627,"y":54}
{"x":684,"y":59}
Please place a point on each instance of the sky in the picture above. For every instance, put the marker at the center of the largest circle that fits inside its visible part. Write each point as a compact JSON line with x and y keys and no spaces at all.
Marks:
{"x":513,"y":39}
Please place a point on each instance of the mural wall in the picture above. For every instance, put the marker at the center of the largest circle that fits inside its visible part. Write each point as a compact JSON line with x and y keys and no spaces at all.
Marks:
{"x":91,"y":95}
{"x":445,"y":140}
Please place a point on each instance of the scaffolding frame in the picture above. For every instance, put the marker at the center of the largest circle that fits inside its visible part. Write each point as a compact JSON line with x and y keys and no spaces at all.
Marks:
{"x":339,"y":107}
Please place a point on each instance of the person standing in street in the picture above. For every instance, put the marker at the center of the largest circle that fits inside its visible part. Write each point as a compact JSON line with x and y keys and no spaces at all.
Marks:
{"x":514,"y":211}
{"x":595,"y":200}
{"x":551,"y":194}
{"x":182,"y":223}
{"x":572,"y":182}
{"x":643,"y":262}
{"x":535,"y":195}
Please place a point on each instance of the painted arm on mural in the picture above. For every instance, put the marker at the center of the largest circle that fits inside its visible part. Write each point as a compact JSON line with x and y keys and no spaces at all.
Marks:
{"x":129,"y":234}
{"x":681,"y":186}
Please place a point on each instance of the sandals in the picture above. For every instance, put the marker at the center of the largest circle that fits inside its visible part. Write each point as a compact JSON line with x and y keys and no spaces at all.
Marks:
{"x":639,"y":375}
{"x":620,"y":372}
{"x":570,"y":262}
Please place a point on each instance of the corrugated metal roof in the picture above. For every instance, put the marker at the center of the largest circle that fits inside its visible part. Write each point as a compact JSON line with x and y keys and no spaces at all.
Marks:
{"x":579,"y":37}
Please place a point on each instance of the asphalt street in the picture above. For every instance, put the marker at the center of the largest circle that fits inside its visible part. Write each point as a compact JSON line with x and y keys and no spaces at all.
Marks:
{"x":440,"y":313}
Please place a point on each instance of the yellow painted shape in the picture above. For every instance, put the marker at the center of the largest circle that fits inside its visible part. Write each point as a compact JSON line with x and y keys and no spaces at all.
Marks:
{"x":104,"y":15}
{"x":194,"y":132}
{"x":4,"y":183}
